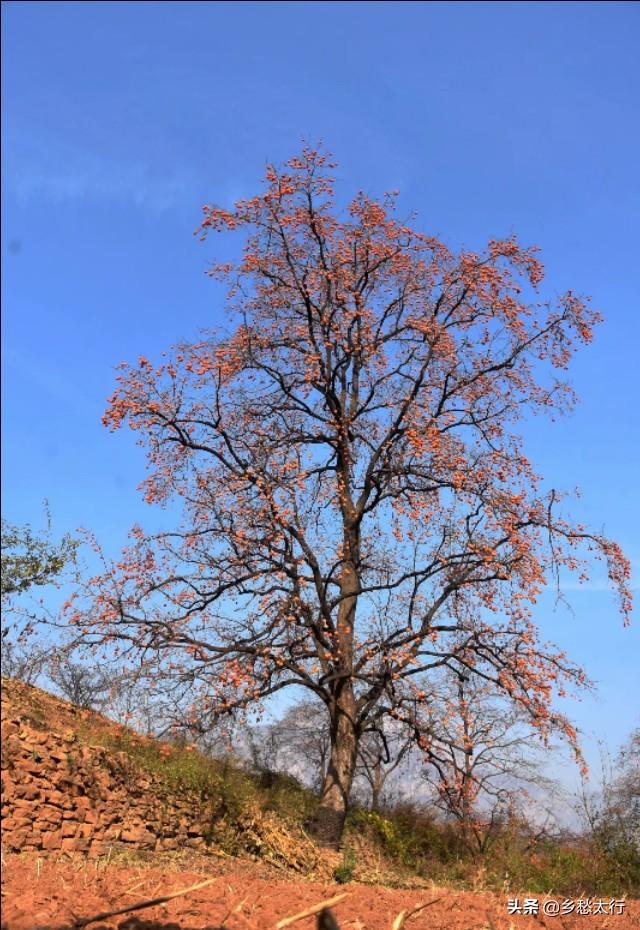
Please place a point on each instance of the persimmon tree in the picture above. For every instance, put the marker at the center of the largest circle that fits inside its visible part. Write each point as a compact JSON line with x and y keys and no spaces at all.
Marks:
{"x":357,"y":507}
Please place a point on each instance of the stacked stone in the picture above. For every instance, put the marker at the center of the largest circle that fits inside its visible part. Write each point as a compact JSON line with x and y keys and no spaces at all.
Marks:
{"x":59,"y":795}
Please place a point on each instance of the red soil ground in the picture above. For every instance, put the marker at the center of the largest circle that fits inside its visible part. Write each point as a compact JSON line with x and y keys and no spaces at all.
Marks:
{"x":52,"y":895}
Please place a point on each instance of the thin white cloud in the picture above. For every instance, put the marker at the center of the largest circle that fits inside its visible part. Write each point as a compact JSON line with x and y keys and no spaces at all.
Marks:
{"x":38,"y":167}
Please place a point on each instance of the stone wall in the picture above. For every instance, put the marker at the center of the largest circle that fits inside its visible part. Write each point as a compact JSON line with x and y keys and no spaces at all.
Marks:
{"x":59,"y":794}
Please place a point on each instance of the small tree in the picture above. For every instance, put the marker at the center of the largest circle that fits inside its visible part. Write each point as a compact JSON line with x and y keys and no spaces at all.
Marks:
{"x":626,"y":787}
{"x":299,"y":743}
{"x":482,"y":758}
{"x":358,"y":508}
{"x":31,"y":560}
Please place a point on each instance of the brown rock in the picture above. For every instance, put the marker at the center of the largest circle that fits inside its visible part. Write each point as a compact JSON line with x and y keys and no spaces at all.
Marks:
{"x":98,"y":848}
{"x":34,"y":737}
{"x":28,"y":792}
{"x":138,"y":835}
{"x":76,"y":844}
{"x":52,"y":840}
{"x":24,"y":805}
{"x":52,"y":814}
{"x":17,"y":823}
{"x":16,"y":840}
{"x":31,"y":766}
{"x":168,"y":843}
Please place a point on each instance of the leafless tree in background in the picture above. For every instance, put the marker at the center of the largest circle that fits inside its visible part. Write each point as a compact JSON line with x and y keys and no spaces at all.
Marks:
{"x":381,"y":754}
{"x":84,"y":685}
{"x":298,"y":743}
{"x":482,"y":758}
{"x":23,"y":661}
{"x":611,"y":812}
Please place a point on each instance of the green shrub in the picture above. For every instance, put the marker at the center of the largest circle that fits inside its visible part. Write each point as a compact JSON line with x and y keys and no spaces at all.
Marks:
{"x":406,"y":834}
{"x":343,"y":873}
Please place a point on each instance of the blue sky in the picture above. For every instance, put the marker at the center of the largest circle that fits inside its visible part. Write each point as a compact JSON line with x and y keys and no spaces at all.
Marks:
{"x":122,"y":119}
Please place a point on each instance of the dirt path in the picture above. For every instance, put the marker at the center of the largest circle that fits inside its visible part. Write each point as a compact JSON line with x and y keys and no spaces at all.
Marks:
{"x":47,"y":895}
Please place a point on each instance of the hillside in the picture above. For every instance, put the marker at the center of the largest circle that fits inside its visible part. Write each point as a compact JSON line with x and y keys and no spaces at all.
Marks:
{"x":73,"y":781}
{"x":96,"y":816}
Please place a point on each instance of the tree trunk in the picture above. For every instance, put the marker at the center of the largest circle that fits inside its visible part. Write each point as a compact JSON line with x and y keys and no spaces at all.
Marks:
{"x":327,"y":823}
{"x":377,"y":784}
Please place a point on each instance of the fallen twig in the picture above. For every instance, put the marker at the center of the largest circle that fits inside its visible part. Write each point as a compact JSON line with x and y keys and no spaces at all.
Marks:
{"x":310,"y":911}
{"x":398,"y":923}
{"x":134,"y":887}
{"x":234,"y":909}
{"x":83,"y":921}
